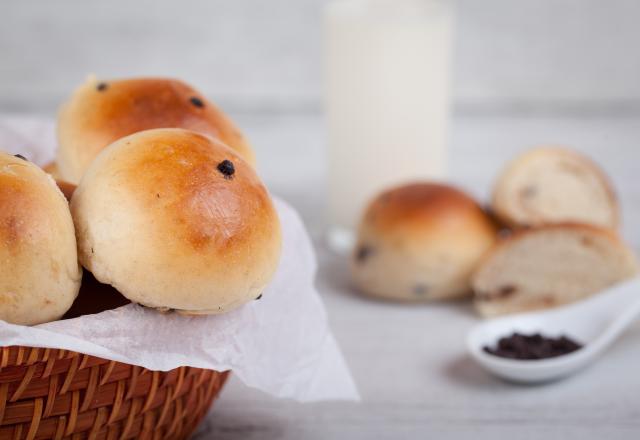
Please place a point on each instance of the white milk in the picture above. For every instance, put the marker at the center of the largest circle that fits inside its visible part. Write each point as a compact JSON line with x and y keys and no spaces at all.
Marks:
{"x":387,"y":98}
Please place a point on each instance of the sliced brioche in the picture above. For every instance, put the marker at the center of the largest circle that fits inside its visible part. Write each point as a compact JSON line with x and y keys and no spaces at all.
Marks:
{"x":554,"y":185}
{"x":550,"y":266}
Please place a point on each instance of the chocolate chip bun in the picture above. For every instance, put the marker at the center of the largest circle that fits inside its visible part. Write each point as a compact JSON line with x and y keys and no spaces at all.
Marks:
{"x":39,"y":275}
{"x":420,"y":242}
{"x":101,"y":112}
{"x":550,"y":266}
{"x":176,"y":220}
{"x":554,"y":185}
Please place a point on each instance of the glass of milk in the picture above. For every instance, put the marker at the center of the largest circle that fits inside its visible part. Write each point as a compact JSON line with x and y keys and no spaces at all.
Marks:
{"x":387,"y":100}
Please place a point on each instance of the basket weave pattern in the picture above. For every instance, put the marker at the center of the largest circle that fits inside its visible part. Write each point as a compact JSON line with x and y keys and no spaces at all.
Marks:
{"x":56,"y":394}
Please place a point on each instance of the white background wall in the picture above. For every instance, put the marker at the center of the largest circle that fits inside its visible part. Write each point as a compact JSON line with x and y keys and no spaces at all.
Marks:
{"x":522,"y":55}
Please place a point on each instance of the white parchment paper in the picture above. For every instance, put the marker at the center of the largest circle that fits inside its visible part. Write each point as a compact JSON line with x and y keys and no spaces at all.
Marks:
{"x":280,"y":344}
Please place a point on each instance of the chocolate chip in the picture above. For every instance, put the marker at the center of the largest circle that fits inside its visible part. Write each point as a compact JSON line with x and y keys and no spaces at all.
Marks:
{"x":506,"y":291}
{"x":20,"y":156}
{"x":197,"y":101}
{"x":227,"y":168}
{"x":586,"y":241}
{"x":568,"y":343}
{"x":259,"y":297}
{"x":528,"y":192}
{"x":420,"y":289}
{"x":548,"y":301}
{"x":101,"y":87}
{"x":535,"y":346}
{"x":363,"y":253}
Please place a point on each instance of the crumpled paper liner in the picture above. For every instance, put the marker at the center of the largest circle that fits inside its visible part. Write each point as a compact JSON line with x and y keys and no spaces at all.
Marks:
{"x":280,"y":344}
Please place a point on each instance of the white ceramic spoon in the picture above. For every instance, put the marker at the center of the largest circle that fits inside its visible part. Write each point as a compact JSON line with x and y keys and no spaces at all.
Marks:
{"x":595,"y":322}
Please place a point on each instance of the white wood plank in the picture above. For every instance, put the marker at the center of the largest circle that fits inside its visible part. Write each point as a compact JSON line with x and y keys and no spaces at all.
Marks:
{"x":256,"y":52}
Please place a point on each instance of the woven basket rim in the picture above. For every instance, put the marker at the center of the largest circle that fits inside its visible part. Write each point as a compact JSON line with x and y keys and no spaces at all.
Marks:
{"x":54,"y":393}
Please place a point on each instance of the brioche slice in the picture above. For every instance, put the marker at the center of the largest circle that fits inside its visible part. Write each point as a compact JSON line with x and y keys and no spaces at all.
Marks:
{"x":554,"y":185}
{"x":549,"y":266}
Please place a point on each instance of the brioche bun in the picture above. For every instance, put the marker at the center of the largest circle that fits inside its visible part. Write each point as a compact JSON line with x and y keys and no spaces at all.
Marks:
{"x":420,"y":242}
{"x":176,"y":220}
{"x":554,"y":185}
{"x":549,"y":266}
{"x":39,"y":275}
{"x":101,"y":112}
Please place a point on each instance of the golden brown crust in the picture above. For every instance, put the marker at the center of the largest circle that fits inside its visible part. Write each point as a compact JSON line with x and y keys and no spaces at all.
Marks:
{"x":160,"y":217}
{"x":420,"y":242}
{"x":422,"y":206}
{"x":39,"y":274}
{"x":18,"y":202}
{"x":23,"y":197}
{"x":101,"y":112}
{"x":197,"y":202}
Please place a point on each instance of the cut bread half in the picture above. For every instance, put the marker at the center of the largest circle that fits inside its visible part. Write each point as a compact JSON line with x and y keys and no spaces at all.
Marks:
{"x":549,"y":266}
{"x":554,"y":185}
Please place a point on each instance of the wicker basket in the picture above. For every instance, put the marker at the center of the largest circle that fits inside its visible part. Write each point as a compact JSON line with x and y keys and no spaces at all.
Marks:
{"x":55,"y":394}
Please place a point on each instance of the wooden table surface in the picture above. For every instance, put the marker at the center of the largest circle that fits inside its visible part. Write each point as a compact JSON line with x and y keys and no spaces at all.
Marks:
{"x":409,"y":361}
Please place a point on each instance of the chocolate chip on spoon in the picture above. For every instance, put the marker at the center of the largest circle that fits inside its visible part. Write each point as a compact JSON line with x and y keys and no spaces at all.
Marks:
{"x":531,"y":347}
